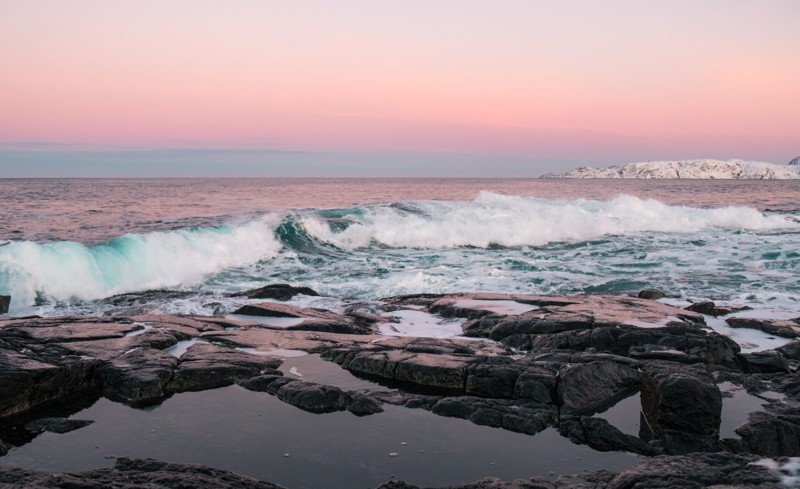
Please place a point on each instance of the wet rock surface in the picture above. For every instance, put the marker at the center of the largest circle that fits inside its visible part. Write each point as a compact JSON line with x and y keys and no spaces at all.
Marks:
{"x":527,"y":363}
{"x":128,"y":473}
{"x":281,"y":292}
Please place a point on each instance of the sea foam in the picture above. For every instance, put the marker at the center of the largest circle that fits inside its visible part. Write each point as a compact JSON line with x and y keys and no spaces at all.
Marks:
{"x":65,"y":270}
{"x":493,"y":219}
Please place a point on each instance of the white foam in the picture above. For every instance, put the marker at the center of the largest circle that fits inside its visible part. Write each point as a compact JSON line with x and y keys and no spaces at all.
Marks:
{"x":494,"y":219}
{"x":65,"y":270}
{"x":420,"y":324}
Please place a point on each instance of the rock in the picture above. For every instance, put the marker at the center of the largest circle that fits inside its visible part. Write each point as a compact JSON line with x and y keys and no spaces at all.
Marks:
{"x":696,"y":471}
{"x":5,"y":303}
{"x":129,"y":473}
{"x":774,"y":432}
{"x":529,"y":418}
{"x":410,"y":361}
{"x":313,"y":397}
{"x":777,"y":327}
{"x":281,"y":292}
{"x":600,"y":435}
{"x":28,"y":382}
{"x":682,"y":406}
{"x":4,"y":448}
{"x":709,"y":308}
{"x":586,"y":388}
{"x":770,"y":361}
{"x":207,"y":366}
{"x":312,"y":319}
{"x":56,"y":425}
{"x":795,"y":162}
{"x":791,"y":350}
{"x":651,"y":294}
{"x":138,"y":377}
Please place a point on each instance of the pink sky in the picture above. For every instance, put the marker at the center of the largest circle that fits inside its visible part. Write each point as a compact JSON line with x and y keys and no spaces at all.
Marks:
{"x":579,"y":81}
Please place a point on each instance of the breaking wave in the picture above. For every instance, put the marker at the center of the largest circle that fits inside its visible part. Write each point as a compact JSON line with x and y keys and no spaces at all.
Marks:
{"x":67,"y":270}
{"x":500,"y":220}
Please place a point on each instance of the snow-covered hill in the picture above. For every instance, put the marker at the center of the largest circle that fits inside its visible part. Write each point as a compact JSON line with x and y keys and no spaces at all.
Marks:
{"x":694,"y":169}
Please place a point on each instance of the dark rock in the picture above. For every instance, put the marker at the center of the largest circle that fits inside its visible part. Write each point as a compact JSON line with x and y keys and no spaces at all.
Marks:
{"x":138,"y":377}
{"x":773,"y":432}
{"x":538,"y":383}
{"x":709,"y":308}
{"x":529,"y":418}
{"x":776,"y":327}
{"x":4,"y":448}
{"x":703,"y":307}
{"x":651,"y":294}
{"x":27,"y":382}
{"x":696,"y":471}
{"x":313,"y":397}
{"x":770,"y":361}
{"x":56,"y":425}
{"x":281,"y":292}
{"x":682,"y":405}
{"x":586,"y":388}
{"x":600,"y":435}
{"x":128,"y":473}
{"x":5,"y":303}
{"x":207,"y":366}
{"x":791,"y":350}
{"x":795,"y":162}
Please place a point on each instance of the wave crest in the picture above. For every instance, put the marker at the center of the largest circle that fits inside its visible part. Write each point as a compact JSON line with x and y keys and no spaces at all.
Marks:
{"x":502,"y":220}
{"x":67,"y":270}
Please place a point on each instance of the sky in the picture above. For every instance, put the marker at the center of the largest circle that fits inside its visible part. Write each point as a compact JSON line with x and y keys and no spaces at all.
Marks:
{"x":392,"y":88}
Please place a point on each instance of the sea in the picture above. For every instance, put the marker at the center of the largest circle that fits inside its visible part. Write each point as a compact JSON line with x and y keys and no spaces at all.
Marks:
{"x":68,"y":246}
{"x":123,"y":247}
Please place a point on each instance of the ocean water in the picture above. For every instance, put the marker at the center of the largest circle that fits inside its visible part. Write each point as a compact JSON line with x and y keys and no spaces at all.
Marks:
{"x":66,"y":245}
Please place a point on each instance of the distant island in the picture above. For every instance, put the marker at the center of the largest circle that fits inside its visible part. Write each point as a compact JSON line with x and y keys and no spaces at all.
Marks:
{"x":691,"y":169}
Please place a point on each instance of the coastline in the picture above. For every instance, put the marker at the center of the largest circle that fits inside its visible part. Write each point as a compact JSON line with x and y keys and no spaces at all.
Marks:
{"x":525,"y":364}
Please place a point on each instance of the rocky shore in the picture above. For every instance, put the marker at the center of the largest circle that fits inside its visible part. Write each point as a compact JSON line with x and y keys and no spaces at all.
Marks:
{"x":524,"y":363}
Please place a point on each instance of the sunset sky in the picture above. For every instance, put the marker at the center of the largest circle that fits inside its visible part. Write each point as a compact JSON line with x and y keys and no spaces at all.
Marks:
{"x":400,"y":88}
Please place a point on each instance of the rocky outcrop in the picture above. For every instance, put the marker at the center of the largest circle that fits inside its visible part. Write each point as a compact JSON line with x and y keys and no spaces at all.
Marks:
{"x":129,"y":473}
{"x":5,"y":303}
{"x":777,"y":327}
{"x":624,"y":326}
{"x":689,"y":169}
{"x":773,"y":432}
{"x":280,"y":292}
{"x":696,"y":471}
{"x":682,"y":406}
{"x":795,"y":162}
{"x":552,"y":362}
{"x":313,"y":397}
{"x":711,"y":309}
{"x":207,"y":366}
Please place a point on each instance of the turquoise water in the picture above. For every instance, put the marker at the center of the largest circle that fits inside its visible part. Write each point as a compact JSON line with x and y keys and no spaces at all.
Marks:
{"x":68,"y":244}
